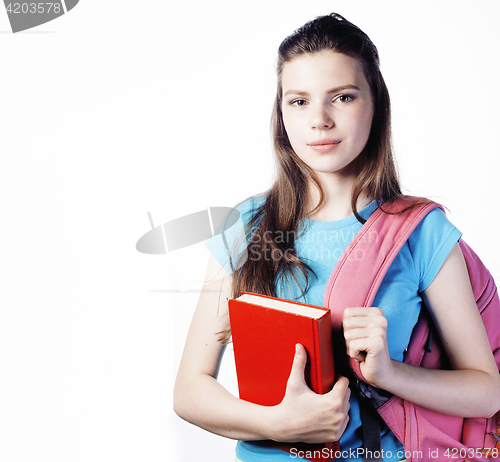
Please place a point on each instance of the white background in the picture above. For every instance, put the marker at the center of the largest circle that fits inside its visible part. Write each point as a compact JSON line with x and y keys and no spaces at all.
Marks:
{"x":122,"y":107}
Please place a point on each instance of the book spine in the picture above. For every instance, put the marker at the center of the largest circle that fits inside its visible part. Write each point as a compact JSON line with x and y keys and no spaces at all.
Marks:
{"x":326,"y":373}
{"x":316,"y":381}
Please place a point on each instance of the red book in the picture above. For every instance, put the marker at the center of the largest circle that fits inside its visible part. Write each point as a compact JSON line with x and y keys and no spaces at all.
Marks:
{"x":264,"y":333}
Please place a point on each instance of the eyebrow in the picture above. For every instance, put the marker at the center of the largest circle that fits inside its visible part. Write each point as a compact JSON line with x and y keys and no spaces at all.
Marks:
{"x":333,"y":90}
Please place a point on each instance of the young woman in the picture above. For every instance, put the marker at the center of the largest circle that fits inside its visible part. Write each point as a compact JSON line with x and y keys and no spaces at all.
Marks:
{"x":331,"y":125}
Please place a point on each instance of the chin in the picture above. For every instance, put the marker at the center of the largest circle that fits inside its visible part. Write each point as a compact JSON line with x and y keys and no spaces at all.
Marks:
{"x":331,"y":169}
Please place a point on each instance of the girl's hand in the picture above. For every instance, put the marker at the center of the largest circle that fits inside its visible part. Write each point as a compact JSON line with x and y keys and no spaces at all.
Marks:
{"x":304,"y":416}
{"x":365,"y":332}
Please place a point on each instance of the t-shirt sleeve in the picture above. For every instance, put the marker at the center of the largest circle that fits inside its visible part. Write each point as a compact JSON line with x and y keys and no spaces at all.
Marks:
{"x":430,"y":243}
{"x":229,"y":242}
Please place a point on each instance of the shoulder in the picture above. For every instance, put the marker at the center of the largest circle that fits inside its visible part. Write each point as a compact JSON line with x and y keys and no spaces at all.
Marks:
{"x":435,"y":225}
{"x":240,"y":214}
{"x":229,"y":242}
{"x":430,"y":243}
{"x":249,"y":207}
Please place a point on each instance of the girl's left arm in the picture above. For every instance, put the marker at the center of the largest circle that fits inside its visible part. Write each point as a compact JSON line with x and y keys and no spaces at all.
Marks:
{"x":472,"y":388}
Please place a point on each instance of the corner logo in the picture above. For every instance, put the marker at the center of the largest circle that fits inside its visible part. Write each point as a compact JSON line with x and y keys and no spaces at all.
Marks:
{"x":182,"y":232}
{"x":188,"y":230}
{"x":29,"y":14}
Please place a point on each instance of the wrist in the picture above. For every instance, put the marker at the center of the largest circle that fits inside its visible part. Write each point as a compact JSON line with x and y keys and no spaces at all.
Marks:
{"x":396,"y":377}
{"x":388,"y":378}
{"x":272,"y":421}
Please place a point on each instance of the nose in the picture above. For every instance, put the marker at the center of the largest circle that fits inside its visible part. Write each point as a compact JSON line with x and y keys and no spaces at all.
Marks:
{"x":321,"y":118}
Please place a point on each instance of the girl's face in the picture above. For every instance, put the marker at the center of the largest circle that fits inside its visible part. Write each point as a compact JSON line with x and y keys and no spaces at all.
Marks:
{"x":327,"y":110}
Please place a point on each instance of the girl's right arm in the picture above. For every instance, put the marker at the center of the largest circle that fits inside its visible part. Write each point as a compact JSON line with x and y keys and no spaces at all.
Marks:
{"x":198,"y":398}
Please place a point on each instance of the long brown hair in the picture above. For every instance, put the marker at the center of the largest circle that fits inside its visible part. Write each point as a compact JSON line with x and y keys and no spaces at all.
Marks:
{"x":273,"y":229}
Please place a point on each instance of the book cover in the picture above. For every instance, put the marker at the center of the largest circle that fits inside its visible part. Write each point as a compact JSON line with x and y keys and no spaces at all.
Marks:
{"x":264,"y":333}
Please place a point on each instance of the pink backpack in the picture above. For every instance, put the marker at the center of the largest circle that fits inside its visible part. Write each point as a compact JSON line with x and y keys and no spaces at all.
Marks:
{"x":426,"y":435}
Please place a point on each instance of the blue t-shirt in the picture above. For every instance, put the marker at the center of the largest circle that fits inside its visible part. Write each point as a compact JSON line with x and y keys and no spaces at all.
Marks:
{"x":320,"y":244}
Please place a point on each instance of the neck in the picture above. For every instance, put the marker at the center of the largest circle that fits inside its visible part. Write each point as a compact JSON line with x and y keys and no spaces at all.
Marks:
{"x":337,"y":203}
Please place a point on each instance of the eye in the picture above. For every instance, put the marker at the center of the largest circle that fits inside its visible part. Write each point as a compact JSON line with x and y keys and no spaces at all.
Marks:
{"x":345,"y":98}
{"x":298,"y":102}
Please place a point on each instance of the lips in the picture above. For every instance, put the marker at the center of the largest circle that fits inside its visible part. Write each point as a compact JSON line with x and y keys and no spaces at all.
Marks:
{"x":324,"y":146}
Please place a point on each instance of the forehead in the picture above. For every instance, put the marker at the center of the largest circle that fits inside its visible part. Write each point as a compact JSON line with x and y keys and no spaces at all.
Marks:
{"x":329,"y":68}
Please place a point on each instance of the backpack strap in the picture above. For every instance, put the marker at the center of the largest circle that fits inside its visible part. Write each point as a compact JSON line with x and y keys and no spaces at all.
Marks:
{"x":372,"y":438}
{"x":355,"y":281}
{"x":360,"y":270}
